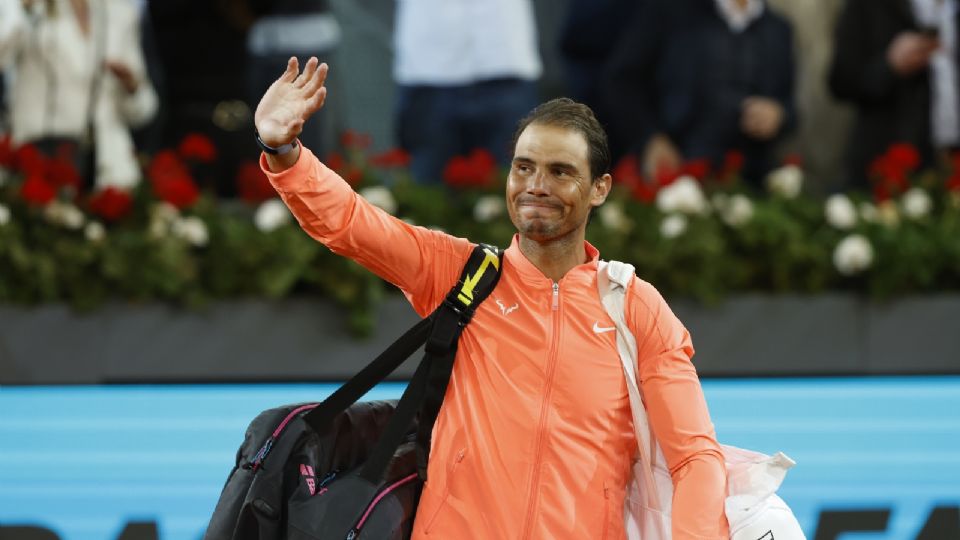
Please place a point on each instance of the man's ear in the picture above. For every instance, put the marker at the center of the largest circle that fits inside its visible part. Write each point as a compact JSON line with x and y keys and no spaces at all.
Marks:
{"x":601,"y":189}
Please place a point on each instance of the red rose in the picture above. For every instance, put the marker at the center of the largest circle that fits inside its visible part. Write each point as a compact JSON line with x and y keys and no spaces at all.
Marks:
{"x":475,"y":170}
{"x":644,"y":192}
{"x":697,"y":168}
{"x":904,"y":155}
{"x":36,"y":191}
{"x":60,"y":172}
{"x":888,"y":174}
{"x":167,"y":164}
{"x":881,"y":193}
{"x":732,"y":163}
{"x":8,"y":154}
{"x":665,"y":175}
{"x":111,"y":204}
{"x":391,"y":158}
{"x":252,"y":183}
{"x":352,"y":139}
{"x":953,"y":183}
{"x":30,"y":160}
{"x":335,"y":161}
{"x":180,"y":191}
{"x":197,"y":147}
{"x":627,"y":172}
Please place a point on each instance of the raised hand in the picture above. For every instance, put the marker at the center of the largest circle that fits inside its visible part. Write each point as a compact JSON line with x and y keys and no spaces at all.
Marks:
{"x":290,"y":101}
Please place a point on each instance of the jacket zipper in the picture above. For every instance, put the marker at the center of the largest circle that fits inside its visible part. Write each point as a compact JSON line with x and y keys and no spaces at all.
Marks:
{"x":533,"y":491}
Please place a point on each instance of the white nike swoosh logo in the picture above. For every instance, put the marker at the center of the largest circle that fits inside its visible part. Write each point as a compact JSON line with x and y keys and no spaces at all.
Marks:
{"x":597,"y":329}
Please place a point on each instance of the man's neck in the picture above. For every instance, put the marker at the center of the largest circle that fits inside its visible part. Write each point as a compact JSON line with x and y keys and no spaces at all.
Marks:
{"x":556,"y":257}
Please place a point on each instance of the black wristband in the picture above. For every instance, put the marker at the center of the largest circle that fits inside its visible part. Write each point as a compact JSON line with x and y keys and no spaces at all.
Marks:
{"x":278,"y":151}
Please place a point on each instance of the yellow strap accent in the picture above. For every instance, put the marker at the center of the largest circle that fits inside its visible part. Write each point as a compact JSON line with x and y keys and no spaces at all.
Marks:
{"x":470,"y":282}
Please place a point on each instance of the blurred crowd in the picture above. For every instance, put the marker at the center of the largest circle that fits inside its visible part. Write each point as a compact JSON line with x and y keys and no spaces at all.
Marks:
{"x":674,"y":81}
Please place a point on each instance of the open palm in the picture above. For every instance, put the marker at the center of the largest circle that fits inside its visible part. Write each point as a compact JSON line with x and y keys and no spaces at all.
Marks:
{"x":290,"y":101}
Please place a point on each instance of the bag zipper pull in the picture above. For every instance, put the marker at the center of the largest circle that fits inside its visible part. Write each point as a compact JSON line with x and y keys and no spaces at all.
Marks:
{"x":261,"y":455}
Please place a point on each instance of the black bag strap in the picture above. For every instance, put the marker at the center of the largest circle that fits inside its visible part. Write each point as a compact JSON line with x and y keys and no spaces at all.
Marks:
{"x":440,"y":333}
{"x":321,"y":417}
{"x":476,"y":283}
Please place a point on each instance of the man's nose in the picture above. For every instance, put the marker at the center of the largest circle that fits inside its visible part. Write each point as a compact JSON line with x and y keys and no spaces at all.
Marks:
{"x":538,"y":183}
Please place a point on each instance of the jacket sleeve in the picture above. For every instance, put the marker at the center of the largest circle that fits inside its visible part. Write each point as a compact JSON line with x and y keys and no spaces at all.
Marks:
{"x":13,"y":27}
{"x":423,"y":263}
{"x":141,"y":106}
{"x":678,"y":416}
{"x":859,"y":72}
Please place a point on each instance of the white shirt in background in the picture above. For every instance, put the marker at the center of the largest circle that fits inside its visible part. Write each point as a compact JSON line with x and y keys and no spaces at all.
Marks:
{"x":454,"y":42}
{"x":944,"y":113}
{"x":737,"y":18}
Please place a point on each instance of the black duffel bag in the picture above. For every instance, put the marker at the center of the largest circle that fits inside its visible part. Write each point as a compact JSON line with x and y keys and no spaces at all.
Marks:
{"x":340,"y":469}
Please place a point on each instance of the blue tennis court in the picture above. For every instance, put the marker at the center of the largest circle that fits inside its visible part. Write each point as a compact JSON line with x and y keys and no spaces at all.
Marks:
{"x":85,"y":461}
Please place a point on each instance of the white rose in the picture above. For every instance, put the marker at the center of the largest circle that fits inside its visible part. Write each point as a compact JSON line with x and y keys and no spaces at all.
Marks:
{"x":4,"y":215}
{"x":916,"y":203}
{"x":271,"y":215}
{"x":853,"y":255}
{"x":673,"y":225}
{"x":785,"y":181}
{"x":684,"y":195}
{"x":65,"y":215}
{"x":94,"y":231}
{"x":488,"y":208}
{"x":840,"y":212}
{"x":737,"y":211}
{"x":380,"y":196}
{"x":193,"y":230}
{"x":868,"y":212}
{"x":613,"y":217}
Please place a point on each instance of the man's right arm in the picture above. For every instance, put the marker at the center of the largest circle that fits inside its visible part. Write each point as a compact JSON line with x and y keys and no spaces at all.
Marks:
{"x":422,"y":262}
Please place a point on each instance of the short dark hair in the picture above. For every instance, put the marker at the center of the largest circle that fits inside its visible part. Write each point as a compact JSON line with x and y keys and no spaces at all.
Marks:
{"x":567,"y":113}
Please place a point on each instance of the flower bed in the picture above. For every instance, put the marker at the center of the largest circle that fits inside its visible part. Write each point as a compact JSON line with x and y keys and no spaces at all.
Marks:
{"x":691,"y":232}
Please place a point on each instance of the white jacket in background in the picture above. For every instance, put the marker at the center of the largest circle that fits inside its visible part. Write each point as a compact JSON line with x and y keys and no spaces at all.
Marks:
{"x":54,"y":67}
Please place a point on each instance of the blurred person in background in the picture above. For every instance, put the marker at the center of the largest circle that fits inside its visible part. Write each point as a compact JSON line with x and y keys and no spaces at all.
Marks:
{"x":292,"y":28}
{"x":694,"y":79}
{"x":78,"y":83}
{"x":588,"y":37}
{"x":896,"y":61}
{"x":202,"y":46}
{"x":467,"y":72}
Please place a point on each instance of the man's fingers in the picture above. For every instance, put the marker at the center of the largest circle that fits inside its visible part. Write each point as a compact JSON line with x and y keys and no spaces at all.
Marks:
{"x":315,"y":102}
{"x":315,"y":83}
{"x":293,"y":68}
{"x":308,"y":70}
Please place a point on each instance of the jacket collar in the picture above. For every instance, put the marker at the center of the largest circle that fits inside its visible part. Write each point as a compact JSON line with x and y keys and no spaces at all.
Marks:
{"x":532,"y":275}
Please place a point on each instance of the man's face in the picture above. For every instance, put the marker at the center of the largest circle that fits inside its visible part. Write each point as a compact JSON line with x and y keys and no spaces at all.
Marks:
{"x":549,"y":189}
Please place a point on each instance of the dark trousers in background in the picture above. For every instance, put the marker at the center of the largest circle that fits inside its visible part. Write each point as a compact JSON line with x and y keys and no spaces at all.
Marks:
{"x":436,"y":123}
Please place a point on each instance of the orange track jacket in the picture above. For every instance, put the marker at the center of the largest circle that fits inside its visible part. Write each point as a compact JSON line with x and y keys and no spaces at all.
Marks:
{"x":535,"y":438}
